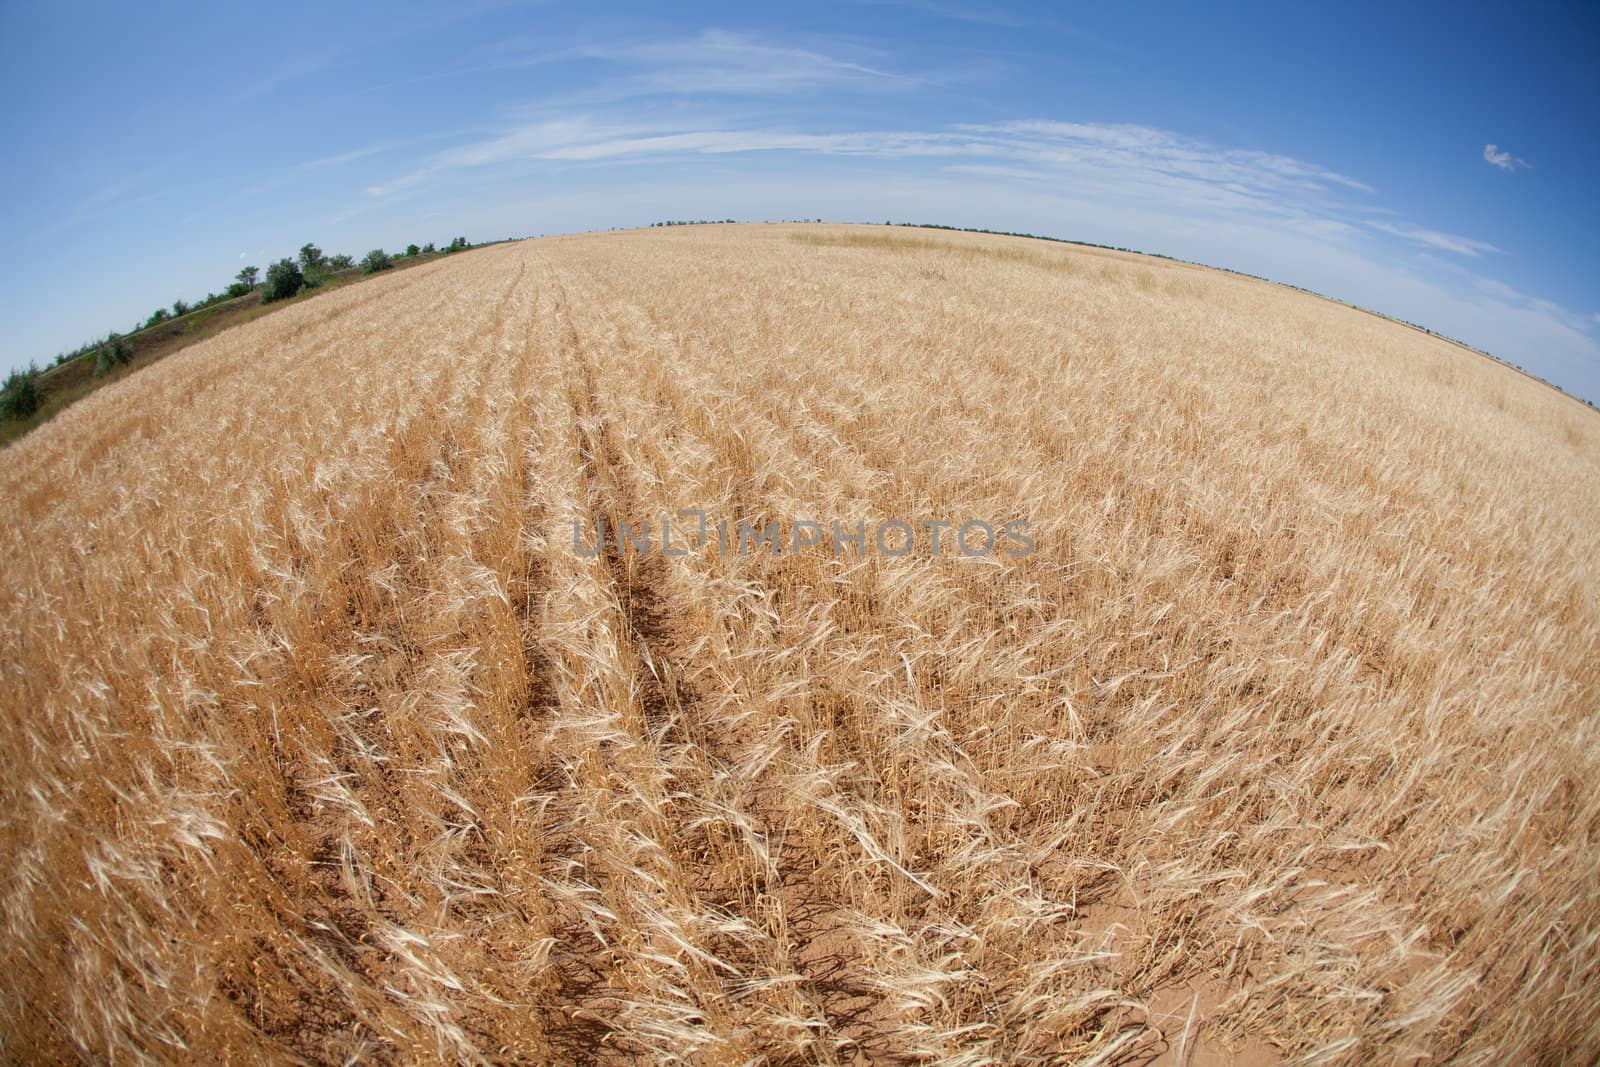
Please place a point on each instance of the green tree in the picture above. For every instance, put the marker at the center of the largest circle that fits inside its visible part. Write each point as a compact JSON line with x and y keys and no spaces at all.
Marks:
{"x":340,"y":262}
{"x":179,"y":308}
{"x":429,"y":247}
{"x":248,"y":277}
{"x":376,"y":260}
{"x":310,"y":257}
{"x":21,"y":396}
{"x":412,"y":250}
{"x":283,"y":281}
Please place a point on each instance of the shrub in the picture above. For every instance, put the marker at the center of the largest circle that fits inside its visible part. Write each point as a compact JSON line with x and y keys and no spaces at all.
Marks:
{"x":412,"y":250}
{"x":310,"y":257}
{"x":376,"y":260}
{"x":247,"y":277}
{"x":238,"y":289}
{"x":158,"y":316}
{"x":457,"y":244}
{"x":340,"y":262}
{"x":283,"y":281}
{"x":179,"y":308}
{"x":429,"y":247}
{"x":111,"y":353}
{"x":21,"y":396}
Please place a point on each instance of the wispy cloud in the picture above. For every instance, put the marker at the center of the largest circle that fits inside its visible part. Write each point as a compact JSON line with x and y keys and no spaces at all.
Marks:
{"x":717,"y":61}
{"x":978,"y":14}
{"x":1510,"y":299}
{"x":342,"y":158}
{"x":1498,"y":290}
{"x":1446,"y":242}
{"x":711,"y":63}
{"x":1503,"y":159}
{"x":992,"y":170}
{"x":1120,"y":161}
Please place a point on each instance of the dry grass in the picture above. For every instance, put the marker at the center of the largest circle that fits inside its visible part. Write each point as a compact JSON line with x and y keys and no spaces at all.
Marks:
{"x":325,"y":745}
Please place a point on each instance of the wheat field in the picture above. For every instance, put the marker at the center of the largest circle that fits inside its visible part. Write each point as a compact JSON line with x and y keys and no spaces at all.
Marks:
{"x":329,"y":741}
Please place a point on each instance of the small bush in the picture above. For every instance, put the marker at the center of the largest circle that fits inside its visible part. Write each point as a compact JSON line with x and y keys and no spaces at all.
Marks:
{"x":179,"y":308}
{"x":429,"y":247}
{"x":21,"y":396}
{"x":157,"y":317}
{"x":110,"y":354}
{"x":376,"y":260}
{"x":239,"y":289}
{"x":283,"y":281}
{"x":412,"y":249}
{"x":340,"y":262}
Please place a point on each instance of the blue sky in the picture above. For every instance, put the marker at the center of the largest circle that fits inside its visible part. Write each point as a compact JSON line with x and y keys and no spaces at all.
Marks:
{"x":1436,"y":162}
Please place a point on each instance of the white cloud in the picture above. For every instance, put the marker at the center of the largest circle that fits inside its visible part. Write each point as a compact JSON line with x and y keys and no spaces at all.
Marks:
{"x":1447,"y":242}
{"x":1119,"y":161}
{"x":980,"y":14}
{"x":1499,"y":290}
{"x":1176,"y":154}
{"x":997,"y":171}
{"x":720,"y":62}
{"x":1502,"y":159}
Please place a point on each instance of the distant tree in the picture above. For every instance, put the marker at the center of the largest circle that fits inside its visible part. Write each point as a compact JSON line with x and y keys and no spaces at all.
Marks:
{"x":120,"y":353}
{"x":429,"y":247}
{"x":376,"y":260}
{"x":310,"y":257}
{"x":158,"y":316}
{"x":21,"y":396}
{"x":412,"y":250}
{"x":340,"y":262}
{"x":283,"y":281}
{"x":248,"y":277}
{"x":179,"y":307}
{"x":457,"y":244}
{"x":104,"y":361}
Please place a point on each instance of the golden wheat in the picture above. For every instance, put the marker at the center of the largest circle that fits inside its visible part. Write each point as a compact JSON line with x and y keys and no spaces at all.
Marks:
{"x":326,"y":744}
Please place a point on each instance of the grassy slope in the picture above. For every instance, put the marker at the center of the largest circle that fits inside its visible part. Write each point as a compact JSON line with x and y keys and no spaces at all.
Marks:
{"x":70,"y":382}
